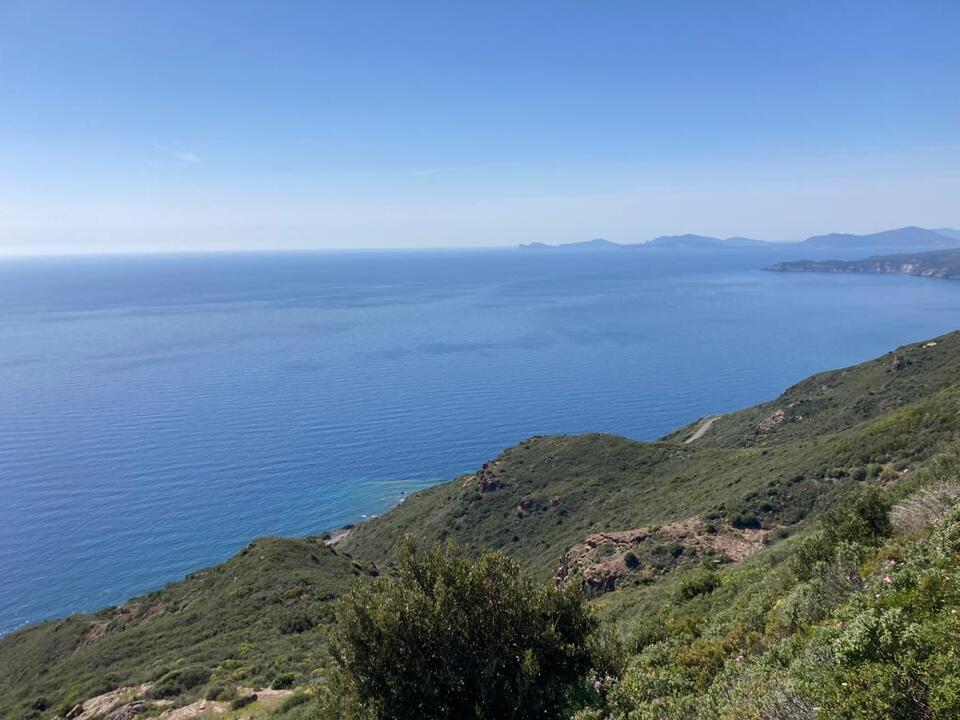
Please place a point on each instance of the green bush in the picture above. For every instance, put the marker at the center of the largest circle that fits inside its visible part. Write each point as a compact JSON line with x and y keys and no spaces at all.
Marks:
{"x":283,"y":681}
{"x":295,"y":700}
{"x":866,"y":522}
{"x":743,"y":521}
{"x":242,"y":701}
{"x":294,"y":622}
{"x":175,"y":682}
{"x":697,"y":583}
{"x":219,"y":691}
{"x":450,"y":637}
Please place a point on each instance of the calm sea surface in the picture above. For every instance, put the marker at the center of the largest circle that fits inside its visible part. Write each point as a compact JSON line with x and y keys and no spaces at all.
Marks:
{"x":158,"y":413}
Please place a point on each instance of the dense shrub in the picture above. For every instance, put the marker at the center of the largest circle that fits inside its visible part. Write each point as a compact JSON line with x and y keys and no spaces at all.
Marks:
{"x":242,"y":701}
{"x":744,"y":521}
{"x":450,"y":637}
{"x":697,"y":583}
{"x":295,"y":621}
{"x":283,"y":681}
{"x":41,"y":703}
{"x":865,"y":522}
{"x":295,"y":700}
{"x":871,"y":633}
{"x":175,"y":682}
{"x":219,"y":691}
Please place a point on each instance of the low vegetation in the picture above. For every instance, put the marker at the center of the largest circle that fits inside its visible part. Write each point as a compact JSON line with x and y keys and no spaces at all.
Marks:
{"x":858,"y":621}
{"x":262,"y":614}
{"x":798,"y":560}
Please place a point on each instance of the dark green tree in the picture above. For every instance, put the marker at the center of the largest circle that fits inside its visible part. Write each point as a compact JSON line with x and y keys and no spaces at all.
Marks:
{"x":452,"y":637}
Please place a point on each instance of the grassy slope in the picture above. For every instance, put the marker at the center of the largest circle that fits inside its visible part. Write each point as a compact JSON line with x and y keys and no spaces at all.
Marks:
{"x":869,"y":633}
{"x":247,"y":618}
{"x":243,"y":620}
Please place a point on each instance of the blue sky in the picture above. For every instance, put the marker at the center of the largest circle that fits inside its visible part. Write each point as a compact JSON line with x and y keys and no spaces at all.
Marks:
{"x":195,"y":125}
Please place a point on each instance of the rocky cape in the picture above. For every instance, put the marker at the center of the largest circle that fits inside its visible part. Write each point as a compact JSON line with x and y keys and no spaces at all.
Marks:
{"x":936,"y":264}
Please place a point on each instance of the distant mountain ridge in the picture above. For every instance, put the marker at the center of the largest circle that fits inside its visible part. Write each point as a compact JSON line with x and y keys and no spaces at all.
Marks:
{"x":949,"y":232}
{"x":703,"y":241}
{"x":910,"y":237}
{"x":688,"y":241}
{"x":595,"y":244}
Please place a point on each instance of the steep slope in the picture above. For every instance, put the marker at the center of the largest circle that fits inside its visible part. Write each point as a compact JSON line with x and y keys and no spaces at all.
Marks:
{"x":839,"y":399}
{"x":261,"y":613}
{"x":857,"y":620}
{"x":777,"y":462}
{"x":628,"y":519}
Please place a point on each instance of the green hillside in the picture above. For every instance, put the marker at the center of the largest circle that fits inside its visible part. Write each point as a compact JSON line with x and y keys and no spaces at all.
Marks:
{"x":836,"y":429}
{"x":261,"y":613}
{"x":661,"y":535}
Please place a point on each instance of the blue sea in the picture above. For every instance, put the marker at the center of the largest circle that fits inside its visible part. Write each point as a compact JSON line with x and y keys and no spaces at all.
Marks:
{"x":158,"y":413}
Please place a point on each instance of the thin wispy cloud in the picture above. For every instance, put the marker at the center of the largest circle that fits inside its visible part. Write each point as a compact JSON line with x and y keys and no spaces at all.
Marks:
{"x":428,"y":171}
{"x":172,"y":155}
{"x":187,"y":157}
{"x":457,"y":168}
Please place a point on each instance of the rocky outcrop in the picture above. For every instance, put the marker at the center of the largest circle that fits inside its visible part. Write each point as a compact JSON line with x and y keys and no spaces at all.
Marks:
{"x":110,"y":703}
{"x":127,"y":712}
{"x":486,"y":478}
{"x":127,"y":703}
{"x":200,"y":707}
{"x":604,"y":559}
{"x":772,"y":420}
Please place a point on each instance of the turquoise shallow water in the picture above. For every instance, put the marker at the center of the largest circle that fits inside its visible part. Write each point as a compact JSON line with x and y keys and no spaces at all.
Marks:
{"x":157,"y":413}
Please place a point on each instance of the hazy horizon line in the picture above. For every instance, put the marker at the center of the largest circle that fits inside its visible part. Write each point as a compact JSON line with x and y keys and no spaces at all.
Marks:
{"x":8,"y":254}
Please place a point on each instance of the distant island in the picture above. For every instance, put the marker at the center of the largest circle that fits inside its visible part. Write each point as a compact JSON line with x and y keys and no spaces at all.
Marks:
{"x":688,"y":241}
{"x":938,"y":263}
{"x":910,"y":237}
{"x":595,"y":244}
{"x":703,"y":241}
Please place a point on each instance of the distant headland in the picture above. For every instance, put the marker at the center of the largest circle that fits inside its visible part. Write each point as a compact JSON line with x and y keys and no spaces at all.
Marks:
{"x":910,"y":237}
{"x":938,"y":264}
